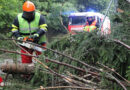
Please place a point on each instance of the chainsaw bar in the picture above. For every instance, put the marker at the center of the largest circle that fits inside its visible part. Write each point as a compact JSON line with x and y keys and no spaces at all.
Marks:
{"x":31,"y":46}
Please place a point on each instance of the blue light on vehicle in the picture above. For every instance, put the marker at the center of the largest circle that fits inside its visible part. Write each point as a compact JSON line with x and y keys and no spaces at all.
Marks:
{"x":91,"y":10}
{"x":68,"y":12}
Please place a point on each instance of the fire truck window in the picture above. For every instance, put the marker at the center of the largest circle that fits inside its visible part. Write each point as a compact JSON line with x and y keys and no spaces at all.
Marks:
{"x":77,"y":20}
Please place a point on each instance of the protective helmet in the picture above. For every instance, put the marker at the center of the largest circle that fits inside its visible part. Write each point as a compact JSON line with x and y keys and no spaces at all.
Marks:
{"x":90,"y":15}
{"x":28,"y":11}
{"x":28,"y":6}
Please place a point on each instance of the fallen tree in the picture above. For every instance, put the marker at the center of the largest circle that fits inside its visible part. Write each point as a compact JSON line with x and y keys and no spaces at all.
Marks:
{"x":92,"y":72}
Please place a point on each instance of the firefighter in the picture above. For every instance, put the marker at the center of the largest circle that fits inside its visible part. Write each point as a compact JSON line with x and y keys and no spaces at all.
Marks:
{"x":29,"y":23}
{"x":91,"y":23}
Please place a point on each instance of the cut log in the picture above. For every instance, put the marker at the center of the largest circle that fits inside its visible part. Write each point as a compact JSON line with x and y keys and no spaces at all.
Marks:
{"x":17,"y":68}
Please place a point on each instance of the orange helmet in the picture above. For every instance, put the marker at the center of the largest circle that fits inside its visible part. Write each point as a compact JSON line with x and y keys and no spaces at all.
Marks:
{"x":28,"y":6}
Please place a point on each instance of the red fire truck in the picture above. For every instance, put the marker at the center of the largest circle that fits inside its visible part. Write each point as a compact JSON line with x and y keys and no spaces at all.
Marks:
{"x":77,"y":22}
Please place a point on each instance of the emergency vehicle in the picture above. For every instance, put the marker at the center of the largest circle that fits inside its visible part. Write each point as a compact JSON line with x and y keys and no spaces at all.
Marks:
{"x":78,"y":20}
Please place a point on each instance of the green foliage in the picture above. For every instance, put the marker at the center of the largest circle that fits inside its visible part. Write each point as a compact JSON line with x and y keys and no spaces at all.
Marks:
{"x":121,"y":21}
{"x":54,"y":18}
{"x":14,"y":84}
{"x":8,"y":11}
{"x":128,"y":73}
{"x":98,"y":5}
{"x":8,"y":43}
{"x":90,"y":48}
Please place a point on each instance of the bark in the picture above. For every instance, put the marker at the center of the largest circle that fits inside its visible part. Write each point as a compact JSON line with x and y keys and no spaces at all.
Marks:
{"x":122,"y":43}
{"x":17,"y":68}
{"x":65,"y":87}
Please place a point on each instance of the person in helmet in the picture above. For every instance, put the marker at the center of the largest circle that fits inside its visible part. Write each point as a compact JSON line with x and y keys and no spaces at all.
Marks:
{"x":29,"y":23}
{"x":91,"y":23}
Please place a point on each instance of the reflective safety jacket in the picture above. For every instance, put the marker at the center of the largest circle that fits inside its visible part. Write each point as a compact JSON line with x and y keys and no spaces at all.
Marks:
{"x":91,"y":27}
{"x":26,"y":28}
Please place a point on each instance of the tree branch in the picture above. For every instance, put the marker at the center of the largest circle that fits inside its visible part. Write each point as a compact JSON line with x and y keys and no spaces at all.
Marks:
{"x":8,"y":51}
{"x":73,"y":59}
{"x":81,"y":79}
{"x":46,"y":67}
{"x":122,"y":43}
{"x":113,"y":71}
{"x":61,"y":63}
{"x":117,"y":81}
{"x":54,"y":61}
{"x":63,"y":87}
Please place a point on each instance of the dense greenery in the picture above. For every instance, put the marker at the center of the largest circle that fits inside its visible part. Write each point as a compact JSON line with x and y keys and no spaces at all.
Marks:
{"x":8,"y":11}
{"x":91,"y":48}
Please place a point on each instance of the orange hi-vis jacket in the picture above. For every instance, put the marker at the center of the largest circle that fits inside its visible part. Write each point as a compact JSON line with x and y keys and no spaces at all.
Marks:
{"x":91,"y":27}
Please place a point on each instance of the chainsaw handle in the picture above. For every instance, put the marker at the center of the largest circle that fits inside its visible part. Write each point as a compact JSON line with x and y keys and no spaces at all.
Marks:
{"x":28,"y":39}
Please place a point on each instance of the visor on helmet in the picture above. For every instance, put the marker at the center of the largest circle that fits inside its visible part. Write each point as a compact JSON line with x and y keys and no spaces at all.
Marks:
{"x":29,"y":15}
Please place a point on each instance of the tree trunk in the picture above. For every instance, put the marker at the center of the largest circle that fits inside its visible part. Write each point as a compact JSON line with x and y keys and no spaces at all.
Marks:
{"x":17,"y":68}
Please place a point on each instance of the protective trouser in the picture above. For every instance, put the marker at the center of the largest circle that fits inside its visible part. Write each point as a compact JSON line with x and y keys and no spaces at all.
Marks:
{"x":28,"y":59}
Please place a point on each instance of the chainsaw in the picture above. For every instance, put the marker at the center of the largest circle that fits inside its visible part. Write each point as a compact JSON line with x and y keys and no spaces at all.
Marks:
{"x":29,"y":45}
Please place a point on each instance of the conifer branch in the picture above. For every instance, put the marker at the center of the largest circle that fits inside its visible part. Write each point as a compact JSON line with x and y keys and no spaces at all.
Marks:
{"x":61,"y":63}
{"x":114,"y":72}
{"x":122,"y":43}
{"x":8,"y":51}
{"x":120,"y":83}
{"x":73,"y":59}
{"x":46,"y":67}
{"x":64,"y":87}
{"x":70,"y":66}
{"x":81,"y":79}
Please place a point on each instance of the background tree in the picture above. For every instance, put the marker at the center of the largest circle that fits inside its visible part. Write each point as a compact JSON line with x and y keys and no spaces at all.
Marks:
{"x":8,"y":11}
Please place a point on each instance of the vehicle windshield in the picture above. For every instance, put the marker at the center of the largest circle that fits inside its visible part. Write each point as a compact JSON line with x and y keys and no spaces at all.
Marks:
{"x":77,"y":20}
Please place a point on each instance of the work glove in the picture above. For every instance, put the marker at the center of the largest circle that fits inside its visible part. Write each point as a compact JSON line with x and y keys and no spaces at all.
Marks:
{"x":35,"y":37}
{"x":20,"y":38}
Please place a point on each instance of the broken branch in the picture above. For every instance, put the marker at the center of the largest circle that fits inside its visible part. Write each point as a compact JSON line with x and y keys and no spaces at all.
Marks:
{"x":122,"y":43}
{"x":63,"y":87}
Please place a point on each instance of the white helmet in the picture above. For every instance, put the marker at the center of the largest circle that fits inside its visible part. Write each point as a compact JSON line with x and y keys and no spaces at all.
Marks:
{"x":90,"y":15}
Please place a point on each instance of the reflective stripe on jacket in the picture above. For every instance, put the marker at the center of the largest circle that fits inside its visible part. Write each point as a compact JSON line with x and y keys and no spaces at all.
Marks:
{"x":91,"y":27}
